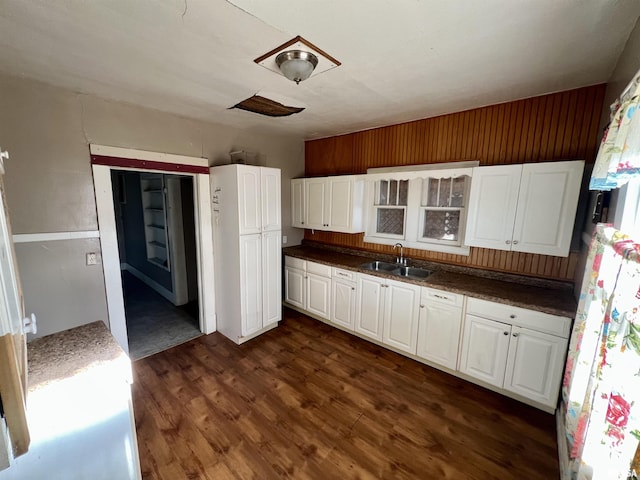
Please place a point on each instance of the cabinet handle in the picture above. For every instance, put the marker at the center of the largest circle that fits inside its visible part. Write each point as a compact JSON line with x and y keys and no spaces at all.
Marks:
{"x":441,"y":297}
{"x":508,"y":242}
{"x":515,"y":242}
{"x":512,"y":315}
{"x":505,"y":333}
{"x":301,"y":223}
{"x":421,"y":306}
{"x":353,"y":288}
{"x":515,"y":334}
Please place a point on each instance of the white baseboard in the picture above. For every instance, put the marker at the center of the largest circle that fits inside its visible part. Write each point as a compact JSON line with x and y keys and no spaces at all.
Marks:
{"x":149,"y":281}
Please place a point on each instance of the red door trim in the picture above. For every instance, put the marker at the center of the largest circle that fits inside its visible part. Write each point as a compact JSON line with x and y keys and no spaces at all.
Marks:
{"x":146,"y":164}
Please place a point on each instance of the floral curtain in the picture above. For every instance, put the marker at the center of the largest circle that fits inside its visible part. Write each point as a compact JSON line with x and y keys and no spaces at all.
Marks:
{"x":618,"y":159}
{"x":601,"y":387}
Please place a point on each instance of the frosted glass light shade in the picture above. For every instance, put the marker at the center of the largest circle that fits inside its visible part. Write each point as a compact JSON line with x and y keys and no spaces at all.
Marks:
{"x":296,"y":65}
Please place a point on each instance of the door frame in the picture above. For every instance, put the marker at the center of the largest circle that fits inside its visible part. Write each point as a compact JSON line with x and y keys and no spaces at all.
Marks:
{"x":104,"y":159}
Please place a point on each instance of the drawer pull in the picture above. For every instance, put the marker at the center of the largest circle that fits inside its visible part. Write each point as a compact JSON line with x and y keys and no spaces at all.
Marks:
{"x":515,"y":334}
{"x":441,"y":297}
{"x":512,"y":315}
{"x":505,"y":333}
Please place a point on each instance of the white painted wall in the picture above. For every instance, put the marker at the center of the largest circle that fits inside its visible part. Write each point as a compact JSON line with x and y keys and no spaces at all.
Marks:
{"x":49,"y":184}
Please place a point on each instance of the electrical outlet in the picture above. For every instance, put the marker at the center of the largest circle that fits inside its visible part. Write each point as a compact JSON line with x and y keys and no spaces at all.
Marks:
{"x":92,"y":258}
{"x":284,"y":239}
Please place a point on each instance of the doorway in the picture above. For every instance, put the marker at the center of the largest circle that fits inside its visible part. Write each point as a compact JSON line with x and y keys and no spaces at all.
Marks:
{"x":155,"y":225}
{"x":106,"y":158}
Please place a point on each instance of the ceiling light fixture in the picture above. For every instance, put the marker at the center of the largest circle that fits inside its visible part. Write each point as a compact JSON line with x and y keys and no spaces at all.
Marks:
{"x":298,"y":59}
{"x":296,"y":65}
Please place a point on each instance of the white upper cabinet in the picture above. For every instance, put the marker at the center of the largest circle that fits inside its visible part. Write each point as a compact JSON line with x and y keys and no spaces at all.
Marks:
{"x":259,"y":199}
{"x":297,"y":203}
{"x":547,"y":205}
{"x":424,"y":209}
{"x":316,"y":203}
{"x":271,"y":191}
{"x":526,"y":208}
{"x":388,"y":202}
{"x":492,"y":206}
{"x":342,"y":215}
{"x":328,"y":203}
{"x":249,"y":200}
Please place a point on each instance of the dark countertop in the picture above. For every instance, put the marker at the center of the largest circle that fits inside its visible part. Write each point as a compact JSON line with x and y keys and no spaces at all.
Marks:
{"x":65,"y":354}
{"x":555,"y":298}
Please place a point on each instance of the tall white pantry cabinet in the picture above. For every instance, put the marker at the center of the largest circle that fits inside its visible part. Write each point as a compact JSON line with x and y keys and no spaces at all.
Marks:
{"x":247,"y":249}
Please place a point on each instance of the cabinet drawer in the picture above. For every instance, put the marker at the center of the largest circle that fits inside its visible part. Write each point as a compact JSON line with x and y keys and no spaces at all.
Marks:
{"x":319,"y":269}
{"x":344,"y":274}
{"x":439,"y":296}
{"x":542,"y":322}
{"x":295,"y":263}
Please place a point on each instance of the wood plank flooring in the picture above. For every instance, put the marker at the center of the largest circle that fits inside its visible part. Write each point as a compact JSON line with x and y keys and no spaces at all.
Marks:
{"x":307,"y":401}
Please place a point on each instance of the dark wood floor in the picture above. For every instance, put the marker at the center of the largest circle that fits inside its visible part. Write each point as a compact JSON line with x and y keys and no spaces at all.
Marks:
{"x":306,"y":401}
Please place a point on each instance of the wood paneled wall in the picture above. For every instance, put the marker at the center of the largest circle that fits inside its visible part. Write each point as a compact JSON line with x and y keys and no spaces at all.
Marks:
{"x":560,"y":126}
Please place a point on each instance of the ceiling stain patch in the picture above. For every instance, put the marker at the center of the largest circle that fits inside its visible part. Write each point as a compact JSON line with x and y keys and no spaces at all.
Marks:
{"x":266,"y":106}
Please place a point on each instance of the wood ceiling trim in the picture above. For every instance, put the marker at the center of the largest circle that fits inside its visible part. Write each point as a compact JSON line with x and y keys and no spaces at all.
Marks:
{"x":293,"y":41}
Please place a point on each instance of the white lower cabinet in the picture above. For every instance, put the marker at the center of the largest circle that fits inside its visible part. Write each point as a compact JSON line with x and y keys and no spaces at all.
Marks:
{"x":307,"y":285}
{"x":294,"y":286}
{"x":484,"y":349}
{"x":439,"y":327}
{"x":518,"y":350}
{"x":343,"y":298}
{"x":370,"y":306}
{"x":387,"y":311}
{"x":319,"y":295}
{"x":535,"y":365}
{"x":401,"y":310}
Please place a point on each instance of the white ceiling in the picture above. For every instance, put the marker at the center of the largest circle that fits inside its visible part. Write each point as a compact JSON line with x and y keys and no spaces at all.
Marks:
{"x":401,"y":59}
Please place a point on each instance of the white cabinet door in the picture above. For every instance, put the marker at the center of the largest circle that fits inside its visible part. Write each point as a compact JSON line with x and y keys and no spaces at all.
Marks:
{"x":249,"y":200}
{"x":492,"y":206}
{"x":484,"y":349}
{"x":535,"y":365}
{"x":401,"y":310}
{"x":343,"y":308}
{"x":251,"y":281}
{"x":439,"y":333}
{"x":319,"y":295}
{"x":297,"y":203}
{"x":340,"y":203}
{"x":271,"y":278}
{"x":370,"y":306}
{"x":270,"y":194}
{"x":316,"y":203}
{"x":547,"y":205}
{"x":294,"y":287}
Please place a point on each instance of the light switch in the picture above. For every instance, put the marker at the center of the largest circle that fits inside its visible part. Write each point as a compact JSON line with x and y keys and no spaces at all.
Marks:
{"x":284,"y":239}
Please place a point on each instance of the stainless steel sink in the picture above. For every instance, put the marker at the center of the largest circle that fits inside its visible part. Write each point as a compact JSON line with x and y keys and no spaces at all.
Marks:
{"x":378,"y":266}
{"x":413,"y":272}
{"x":396,"y":269}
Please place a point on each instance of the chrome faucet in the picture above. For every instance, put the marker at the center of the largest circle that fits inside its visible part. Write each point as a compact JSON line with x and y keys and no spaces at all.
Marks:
{"x":401,"y":260}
